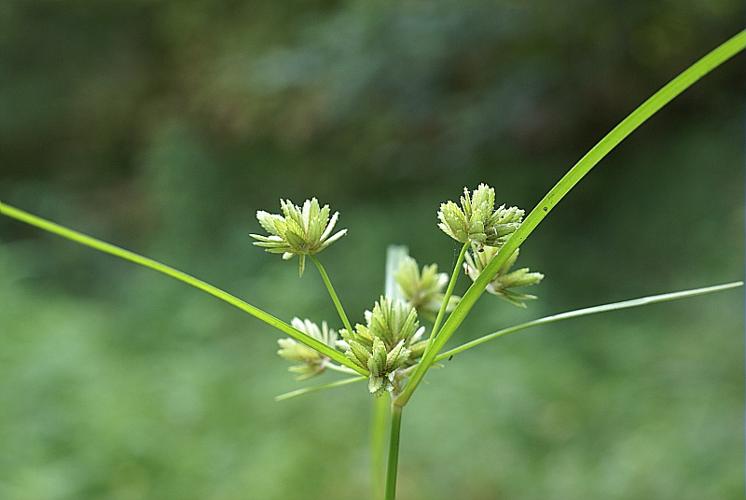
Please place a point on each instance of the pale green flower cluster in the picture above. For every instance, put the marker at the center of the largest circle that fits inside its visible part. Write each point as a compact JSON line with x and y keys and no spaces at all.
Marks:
{"x":309,"y":361}
{"x":476,"y":220}
{"x":486,"y":229}
{"x":505,"y":280}
{"x":388,"y":343}
{"x":298,"y":231}
{"x":423,"y":289}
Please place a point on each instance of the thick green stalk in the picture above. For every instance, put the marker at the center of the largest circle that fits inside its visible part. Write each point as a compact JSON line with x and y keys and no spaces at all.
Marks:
{"x":33,"y":220}
{"x":449,"y":292}
{"x":616,"y":306}
{"x":332,"y":293}
{"x":395,"y":255}
{"x":379,"y":422}
{"x":393,"y":464}
{"x":647,"y":109}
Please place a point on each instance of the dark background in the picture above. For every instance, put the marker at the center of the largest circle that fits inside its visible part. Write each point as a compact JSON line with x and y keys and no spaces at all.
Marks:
{"x":163,"y":125}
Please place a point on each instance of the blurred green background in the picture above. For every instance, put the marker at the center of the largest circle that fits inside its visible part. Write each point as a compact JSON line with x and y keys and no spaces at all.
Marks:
{"x":163,"y":125}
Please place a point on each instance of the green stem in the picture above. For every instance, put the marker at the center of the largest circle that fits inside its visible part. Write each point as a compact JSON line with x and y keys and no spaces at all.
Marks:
{"x":616,"y":306}
{"x":332,"y":293}
{"x":393,"y":463}
{"x":449,"y":292}
{"x":611,"y":140}
{"x":33,"y":220}
{"x":379,"y":417}
{"x":395,"y":255}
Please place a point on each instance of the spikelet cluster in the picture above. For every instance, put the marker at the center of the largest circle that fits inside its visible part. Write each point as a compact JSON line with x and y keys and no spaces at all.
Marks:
{"x":308,"y":362}
{"x":386,"y":344}
{"x":477,"y":222}
{"x":300,"y":231}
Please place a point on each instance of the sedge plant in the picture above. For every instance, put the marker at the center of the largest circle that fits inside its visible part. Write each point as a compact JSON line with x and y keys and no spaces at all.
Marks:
{"x":406,"y":330}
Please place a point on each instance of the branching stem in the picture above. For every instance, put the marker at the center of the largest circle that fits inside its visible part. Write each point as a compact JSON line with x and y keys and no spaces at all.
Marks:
{"x":332,"y":293}
{"x":448,"y":294}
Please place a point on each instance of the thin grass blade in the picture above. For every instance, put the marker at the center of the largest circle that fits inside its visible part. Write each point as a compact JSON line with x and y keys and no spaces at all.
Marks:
{"x":588,"y":311}
{"x":102,"y":246}
{"x":316,"y":388}
{"x":639,"y":116}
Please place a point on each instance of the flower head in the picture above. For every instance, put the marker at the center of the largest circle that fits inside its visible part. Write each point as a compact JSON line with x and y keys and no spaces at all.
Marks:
{"x":423,"y":289}
{"x":505,"y":280}
{"x":298,"y":231}
{"x":476,"y":220}
{"x":309,"y":361}
{"x":387,"y":344}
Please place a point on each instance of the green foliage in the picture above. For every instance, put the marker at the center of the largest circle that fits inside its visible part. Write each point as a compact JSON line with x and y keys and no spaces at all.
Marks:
{"x":613,"y":138}
{"x":165,"y":125}
{"x":108,"y":248}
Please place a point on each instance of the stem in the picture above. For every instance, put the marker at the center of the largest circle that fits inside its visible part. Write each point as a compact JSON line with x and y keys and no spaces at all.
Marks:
{"x":449,"y":292}
{"x":392,"y":469}
{"x":632,"y":122}
{"x":380,"y":416}
{"x":395,"y":254}
{"x":332,"y":293}
{"x":653,"y":299}
{"x":102,"y":246}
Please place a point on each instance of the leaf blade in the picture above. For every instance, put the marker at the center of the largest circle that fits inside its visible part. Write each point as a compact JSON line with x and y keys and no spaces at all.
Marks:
{"x":141,"y":260}
{"x":588,"y":311}
{"x":315,"y":388}
{"x":621,"y":131}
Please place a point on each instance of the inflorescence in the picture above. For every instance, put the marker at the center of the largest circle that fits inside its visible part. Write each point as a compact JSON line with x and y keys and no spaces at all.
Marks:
{"x":298,"y":231}
{"x":392,"y":340}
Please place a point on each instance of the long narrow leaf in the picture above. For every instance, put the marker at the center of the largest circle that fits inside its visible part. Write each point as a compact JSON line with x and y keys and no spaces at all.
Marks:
{"x":33,"y":220}
{"x":587,"y":311}
{"x":616,"y":306}
{"x":315,"y":388}
{"x":647,"y":109}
